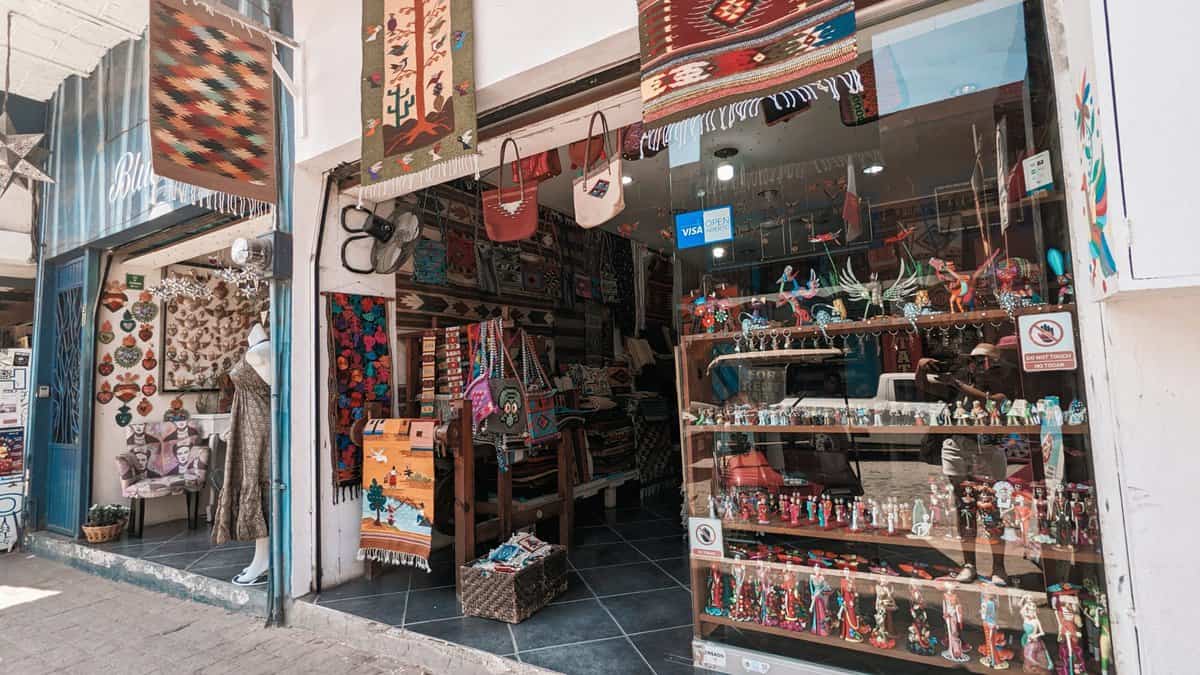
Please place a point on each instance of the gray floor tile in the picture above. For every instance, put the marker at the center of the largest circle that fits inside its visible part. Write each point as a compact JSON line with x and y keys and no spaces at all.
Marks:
{"x":649,"y":529}
{"x":679,"y":568}
{"x":227,"y":557}
{"x":651,"y":610}
{"x":576,"y":589}
{"x":626,"y":578}
{"x":603,"y":554}
{"x":588,"y":536}
{"x":177,"y":560}
{"x":490,"y":636}
{"x":392,"y":580}
{"x":430,"y":604}
{"x":605,"y":657}
{"x":388,"y":609}
{"x":669,"y":547}
{"x":563,"y":624}
{"x":668,"y":651}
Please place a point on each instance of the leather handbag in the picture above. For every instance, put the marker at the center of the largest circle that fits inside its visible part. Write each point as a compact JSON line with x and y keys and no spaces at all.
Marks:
{"x":540,"y":167}
{"x":599,"y":195}
{"x":511,"y":215}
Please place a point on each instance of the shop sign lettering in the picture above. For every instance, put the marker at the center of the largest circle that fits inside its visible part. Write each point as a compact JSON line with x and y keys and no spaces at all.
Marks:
{"x":132,"y":174}
{"x":1047,"y":342}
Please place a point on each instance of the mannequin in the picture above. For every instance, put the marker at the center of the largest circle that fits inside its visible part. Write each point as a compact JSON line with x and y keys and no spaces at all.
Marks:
{"x":240,"y":510}
{"x":258,"y":355}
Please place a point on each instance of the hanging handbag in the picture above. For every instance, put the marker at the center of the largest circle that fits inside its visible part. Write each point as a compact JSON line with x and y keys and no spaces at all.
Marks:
{"x":511,"y":215}
{"x":507,"y":392}
{"x":598,"y":201}
{"x":540,"y":167}
{"x":632,"y":148}
{"x":460,"y":260}
{"x":542,"y":422}
{"x":479,"y":391}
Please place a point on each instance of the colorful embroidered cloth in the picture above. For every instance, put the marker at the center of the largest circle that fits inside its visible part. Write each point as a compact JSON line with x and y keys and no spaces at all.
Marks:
{"x":360,"y":376}
{"x":719,"y":58}
{"x":418,"y":92}
{"x":212,"y":109}
{"x":397,"y":477}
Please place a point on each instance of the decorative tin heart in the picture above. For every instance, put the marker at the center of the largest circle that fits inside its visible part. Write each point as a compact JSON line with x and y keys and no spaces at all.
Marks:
{"x":148,"y":361}
{"x":176,"y":413}
{"x":146,"y":332}
{"x":114,"y":297}
{"x":128,"y":354}
{"x":127,"y":323}
{"x":150,"y":388}
{"x":105,"y":395}
{"x":145,"y":407}
{"x":105,"y":335}
{"x":145,"y":309}
{"x":124,"y":417}
{"x":106,"y":365}
{"x":126,"y":391}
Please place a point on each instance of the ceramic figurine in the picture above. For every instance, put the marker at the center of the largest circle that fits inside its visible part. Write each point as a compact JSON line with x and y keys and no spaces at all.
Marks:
{"x":1033,"y":651}
{"x":878,"y":419}
{"x":744,"y":606}
{"x":994,"y":655}
{"x":818,"y":609}
{"x":1036,"y":412}
{"x":1095,"y":610}
{"x":952,"y":611}
{"x":919,"y":419}
{"x":728,"y":505}
{"x":960,"y":414}
{"x":883,"y":634}
{"x":764,"y":517}
{"x":921,"y":521}
{"x":960,"y":285}
{"x":717,"y":598}
{"x":1076,"y":414}
{"x":979,"y":416}
{"x":770,"y":607}
{"x":920,"y":638}
{"x":1018,"y":412}
{"x":1064,"y":598}
{"x":794,"y":515}
{"x":793,"y":606}
{"x":848,"y":609}
{"x":993,"y":413}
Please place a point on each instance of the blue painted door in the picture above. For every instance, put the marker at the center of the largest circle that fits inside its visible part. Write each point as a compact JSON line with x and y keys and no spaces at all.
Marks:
{"x":62,"y":479}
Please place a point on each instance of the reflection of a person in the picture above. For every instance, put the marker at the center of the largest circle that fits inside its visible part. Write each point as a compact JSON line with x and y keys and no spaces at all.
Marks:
{"x":984,"y":375}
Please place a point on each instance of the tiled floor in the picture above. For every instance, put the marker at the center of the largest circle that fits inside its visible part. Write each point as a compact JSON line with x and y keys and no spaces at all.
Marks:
{"x":174,"y":545}
{"x":627,"y":608}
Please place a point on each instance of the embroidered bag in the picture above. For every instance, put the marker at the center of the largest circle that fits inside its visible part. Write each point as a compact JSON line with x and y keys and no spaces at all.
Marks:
{"x":485,"y":267}
{"x":511,"y":215}
{"x":460,"y":260}
{"x":507,"y":261}
{"x":542,"y":422}
{"x":599,"y":196}
{"x":507,"y":392}
{"x":533,"y":274}
{"x":479,"y":391}
{"x":429,"y":262}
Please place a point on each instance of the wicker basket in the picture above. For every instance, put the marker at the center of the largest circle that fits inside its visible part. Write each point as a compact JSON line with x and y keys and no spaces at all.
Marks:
{"x":513,"y":597}
{"x":103,"y":533}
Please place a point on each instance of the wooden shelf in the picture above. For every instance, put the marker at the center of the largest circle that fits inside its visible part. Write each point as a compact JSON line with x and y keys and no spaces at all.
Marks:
{"x":773,"y":355}
{"x":885,"y":323}
{"x":1074,"y":429}
{"x":865,"y":537}
{"x":899,"y":652}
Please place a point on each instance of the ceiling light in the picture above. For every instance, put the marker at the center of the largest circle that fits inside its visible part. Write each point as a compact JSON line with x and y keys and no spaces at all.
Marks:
{"x":626,"y":179}
{"x":718,"y":251}
{"x":964,"y":89}
{"x":873,"y":169}
{"x":725,"y":172}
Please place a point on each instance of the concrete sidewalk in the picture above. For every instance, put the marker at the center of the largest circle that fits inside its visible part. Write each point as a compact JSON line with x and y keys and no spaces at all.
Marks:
{"x":54,"y":618}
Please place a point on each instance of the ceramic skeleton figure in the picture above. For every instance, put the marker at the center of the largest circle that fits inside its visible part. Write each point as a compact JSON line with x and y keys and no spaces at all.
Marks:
{"x":873,"y":292}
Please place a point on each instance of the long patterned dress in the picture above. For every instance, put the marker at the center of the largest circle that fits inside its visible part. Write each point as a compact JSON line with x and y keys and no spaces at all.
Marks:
{"x":240,"y":505}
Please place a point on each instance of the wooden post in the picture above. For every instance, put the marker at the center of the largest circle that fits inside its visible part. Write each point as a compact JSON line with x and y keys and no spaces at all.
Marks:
{"x":504,"y":501}
{"x":464,"y":490}
{"x":566,"y":519}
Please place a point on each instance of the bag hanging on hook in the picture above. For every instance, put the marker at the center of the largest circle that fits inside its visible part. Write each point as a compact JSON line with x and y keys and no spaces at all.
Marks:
{"x":600,"y":195}
{"x":511,"y":215}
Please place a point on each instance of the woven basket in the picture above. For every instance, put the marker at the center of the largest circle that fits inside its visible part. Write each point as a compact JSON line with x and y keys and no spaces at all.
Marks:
{"x":103,"y":533}
{"x":514,"y":597}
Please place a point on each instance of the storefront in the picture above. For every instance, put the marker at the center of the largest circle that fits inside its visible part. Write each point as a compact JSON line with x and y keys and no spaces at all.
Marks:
{"x":163,"y":324}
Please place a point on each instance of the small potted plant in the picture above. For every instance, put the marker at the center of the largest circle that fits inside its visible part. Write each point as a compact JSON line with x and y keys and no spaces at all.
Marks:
{"x":105,"y":522}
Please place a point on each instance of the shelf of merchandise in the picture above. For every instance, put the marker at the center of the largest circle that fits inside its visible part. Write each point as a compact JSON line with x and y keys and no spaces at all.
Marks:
{"x":867,"y":537}
{"x":899,"y":652}
{"x":1073,"y":429}
{"x":773,"y":355}
{"x":885,"y":323}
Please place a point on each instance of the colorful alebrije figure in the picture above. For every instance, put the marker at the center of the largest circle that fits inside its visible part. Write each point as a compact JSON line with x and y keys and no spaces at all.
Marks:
{"x":952,"y":611}
{"x":883,"y":634}
{"x":920,"y":637}
{"x":847,"y":616}
{"x":993,"y":651}
{"x":1034,"y":654}
{"x":818,"y":610}
{"x":717,"y":605}
{"x":1064,"y":598}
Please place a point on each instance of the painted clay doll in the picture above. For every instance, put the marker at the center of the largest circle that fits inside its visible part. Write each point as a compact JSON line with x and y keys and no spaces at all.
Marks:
{"x":952,"y":611}
{"x":848,"y":610}
{"x":979,"y":416}
{"x":1065,"y":600}
{"x":920,"y":637}
{"x":1033,"y":651}
{"x":793,"y":605}
{"x":770,"y":609}
{"x":994,"y":655}
{"x":742,"y":608}
{"x":818,"y":609}
{"x":883,"y":635}
{"x":717,"y":598}
{"x":1095,"y":610}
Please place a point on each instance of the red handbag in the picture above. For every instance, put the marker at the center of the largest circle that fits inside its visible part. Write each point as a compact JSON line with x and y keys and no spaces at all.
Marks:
{"x":595,"y":152}
{"x":540,"y":167}
{"x":511,"y":215}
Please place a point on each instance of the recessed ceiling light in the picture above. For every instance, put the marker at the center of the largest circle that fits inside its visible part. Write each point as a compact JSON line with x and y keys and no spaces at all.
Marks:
{"x":873,"y":169}
{"x":626,"y":179}
{"x":725,"y":172}
{"x":965,"y":88}
{"x":718,"y":251}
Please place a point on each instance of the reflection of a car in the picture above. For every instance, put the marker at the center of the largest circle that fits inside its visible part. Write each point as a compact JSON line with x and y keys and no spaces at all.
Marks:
{"x":895,"y":392}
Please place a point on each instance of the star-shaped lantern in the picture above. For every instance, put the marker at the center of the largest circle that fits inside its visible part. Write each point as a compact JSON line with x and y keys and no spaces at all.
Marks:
{"x":16,"y":153}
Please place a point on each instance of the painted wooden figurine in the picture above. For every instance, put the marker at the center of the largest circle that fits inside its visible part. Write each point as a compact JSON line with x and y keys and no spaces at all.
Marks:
{"x":1034,"y":654}
{"x":952,"y":611}
{"x":993,"y":651}
{"x":742,"y":608}
{"x":718,"y":597}
{"x":818,"y":609}
{"x":770,"y":606}
{"x":883,"y":636}
{"x":920,"y":638}
{"x":1065,"y":600}
{"x":793,"y":601}
{"x":848,"y":609}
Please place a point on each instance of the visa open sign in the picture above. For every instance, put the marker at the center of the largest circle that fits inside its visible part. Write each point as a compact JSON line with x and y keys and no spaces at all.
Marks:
{"x":697,"y":228}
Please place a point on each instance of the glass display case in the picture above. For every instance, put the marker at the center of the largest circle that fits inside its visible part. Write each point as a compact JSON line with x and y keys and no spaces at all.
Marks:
{"x":885,"y":435}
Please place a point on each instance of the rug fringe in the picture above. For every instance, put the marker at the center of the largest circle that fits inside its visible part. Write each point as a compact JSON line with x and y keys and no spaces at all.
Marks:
{"x":213,"y":200}
{"x":387,"y":557}
{"x":729,"y":115}
{"x":439,"y":173}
